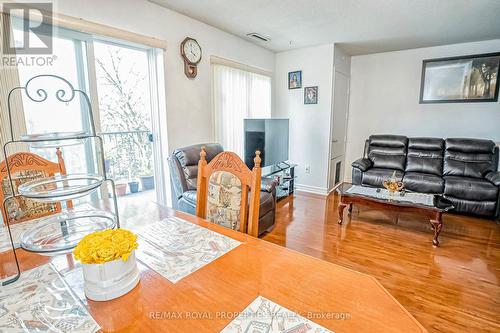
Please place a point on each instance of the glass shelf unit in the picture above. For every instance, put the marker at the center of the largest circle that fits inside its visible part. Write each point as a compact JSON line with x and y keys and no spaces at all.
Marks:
{"x":60,"y":233}
{"x":284,"y":175}
{"x":53,"y":140}
{"x":60,"y":188}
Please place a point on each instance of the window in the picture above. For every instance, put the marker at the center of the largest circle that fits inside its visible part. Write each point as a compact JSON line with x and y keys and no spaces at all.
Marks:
{"x":122,"y":81}
{"x":238,"y":94}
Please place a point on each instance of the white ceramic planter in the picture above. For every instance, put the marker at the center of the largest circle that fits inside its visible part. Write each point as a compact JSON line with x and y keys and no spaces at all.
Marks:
{"x":104,"y":282}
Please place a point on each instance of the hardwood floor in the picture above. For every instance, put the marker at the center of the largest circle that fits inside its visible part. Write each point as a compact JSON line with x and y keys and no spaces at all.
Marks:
{"x":453,"y":288}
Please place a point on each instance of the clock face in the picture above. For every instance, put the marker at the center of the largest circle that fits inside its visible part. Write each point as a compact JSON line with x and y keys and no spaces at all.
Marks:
{"x":192,"y":51}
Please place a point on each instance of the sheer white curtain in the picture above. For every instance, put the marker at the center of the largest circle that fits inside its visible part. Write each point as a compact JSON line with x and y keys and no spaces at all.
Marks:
{"x":238,"y":94}
{"x":9,"y":79}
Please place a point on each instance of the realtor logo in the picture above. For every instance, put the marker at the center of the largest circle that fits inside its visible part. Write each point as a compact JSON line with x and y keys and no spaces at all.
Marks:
{"x":36,"y":25}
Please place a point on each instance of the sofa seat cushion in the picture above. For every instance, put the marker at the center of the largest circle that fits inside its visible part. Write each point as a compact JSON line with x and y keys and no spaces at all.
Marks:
{"x":483,"y":208}
{"x":476,"y":189}
{"x":423,"y":182}
{"x":376,"y":176}
{"x":266,"y":201}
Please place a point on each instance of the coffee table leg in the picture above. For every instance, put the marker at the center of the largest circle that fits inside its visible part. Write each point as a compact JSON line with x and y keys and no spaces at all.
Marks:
{"x":342,"y":205}
{"x":437,"y":225}
{"x":349,"y":209}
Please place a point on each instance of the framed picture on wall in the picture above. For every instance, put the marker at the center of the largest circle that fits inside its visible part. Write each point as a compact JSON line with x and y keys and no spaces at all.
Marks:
{"x":463,"y":79}
{"x":295,"y":80}
{"x":311,"y":95}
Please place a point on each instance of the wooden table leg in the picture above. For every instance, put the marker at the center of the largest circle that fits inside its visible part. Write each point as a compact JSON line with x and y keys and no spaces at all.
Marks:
{"x":342,"y":205}
{"x":349,"y":209}
{"x":437,"y":225}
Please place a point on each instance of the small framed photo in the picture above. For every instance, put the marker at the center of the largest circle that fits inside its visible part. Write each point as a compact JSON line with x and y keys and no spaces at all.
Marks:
{"x":311,"y":95}
{"x":295,"y":80}
{"x":464,"y":79}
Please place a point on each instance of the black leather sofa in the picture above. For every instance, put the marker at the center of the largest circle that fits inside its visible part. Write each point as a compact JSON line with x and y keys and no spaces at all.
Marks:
{"x":183,"y":165}
{"x":464,"y":170}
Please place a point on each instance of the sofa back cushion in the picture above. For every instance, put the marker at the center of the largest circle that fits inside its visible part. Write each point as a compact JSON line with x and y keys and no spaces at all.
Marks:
{"x":469,"y":157}
{"x":188,"y":158}
{"x":425,"y":155}
{"x":388,"y":151}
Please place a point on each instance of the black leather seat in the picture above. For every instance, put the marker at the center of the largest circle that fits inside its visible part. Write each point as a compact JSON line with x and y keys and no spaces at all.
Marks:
{"x":183,"y":165}
{"x":424,"y":167}
{"x":470,"y":188}
{"x":463,"y":170}
{"x":423,"y":182}
{"x":386,"y":153}
{"x":468,"y":166}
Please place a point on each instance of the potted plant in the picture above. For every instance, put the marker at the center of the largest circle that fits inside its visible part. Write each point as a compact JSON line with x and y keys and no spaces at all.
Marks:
{"x":121,"y":189}
{"x":133,"y":185}
{"x":147,"y":180}
{"x":108,"y":262}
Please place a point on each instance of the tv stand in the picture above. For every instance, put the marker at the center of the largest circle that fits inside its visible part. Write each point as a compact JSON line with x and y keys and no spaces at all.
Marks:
{"x":284,"y":174}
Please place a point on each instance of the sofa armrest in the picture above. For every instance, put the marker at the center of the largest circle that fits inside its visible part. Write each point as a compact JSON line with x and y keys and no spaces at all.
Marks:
{"x":267,"y":185}
{"x":362,"y":164}
{"x":178,"y":182}
{"x":494,"y":177}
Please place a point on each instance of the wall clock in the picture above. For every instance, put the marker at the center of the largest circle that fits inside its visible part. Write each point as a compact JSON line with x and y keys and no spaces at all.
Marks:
{"x":191,"y":53}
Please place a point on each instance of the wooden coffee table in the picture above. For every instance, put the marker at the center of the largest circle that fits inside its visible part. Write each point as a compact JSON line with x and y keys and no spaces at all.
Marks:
{"x":429,"y":205}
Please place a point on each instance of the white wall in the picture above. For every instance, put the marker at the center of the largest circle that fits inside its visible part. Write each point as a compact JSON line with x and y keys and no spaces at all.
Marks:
{"x":189,"y":115}
{"x":385,"y":90}
{"x":309,"y":124}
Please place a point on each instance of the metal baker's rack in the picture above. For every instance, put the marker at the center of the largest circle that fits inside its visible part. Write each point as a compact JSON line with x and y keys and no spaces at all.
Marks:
{"x":59,"y":233}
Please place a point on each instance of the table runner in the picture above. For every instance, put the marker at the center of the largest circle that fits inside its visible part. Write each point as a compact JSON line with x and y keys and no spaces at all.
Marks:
{"x":265,"y":316}
{"x":175,"y":248}
{"x":411,"y":197}
{"x":40,"y":301}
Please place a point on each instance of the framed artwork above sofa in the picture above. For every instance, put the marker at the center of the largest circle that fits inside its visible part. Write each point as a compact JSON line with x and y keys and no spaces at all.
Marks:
{"x":463,"y":79}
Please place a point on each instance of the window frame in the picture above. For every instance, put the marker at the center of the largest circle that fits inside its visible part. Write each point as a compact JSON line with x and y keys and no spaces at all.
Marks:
{"x":87,"y":81}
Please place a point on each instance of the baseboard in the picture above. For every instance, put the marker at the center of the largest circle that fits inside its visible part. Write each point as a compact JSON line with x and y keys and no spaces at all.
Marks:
{"x":311,"y":189}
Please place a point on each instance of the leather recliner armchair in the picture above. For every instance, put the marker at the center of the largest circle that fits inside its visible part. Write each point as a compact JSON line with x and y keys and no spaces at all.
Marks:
{"x":463,"y":170}
{"x":183,"y":165}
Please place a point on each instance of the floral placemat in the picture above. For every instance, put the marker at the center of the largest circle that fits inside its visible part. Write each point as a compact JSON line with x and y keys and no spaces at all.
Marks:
{"x":175,"y":248}
{"x":17,"y":230}
{"x":265,"y":316}
{"x":40,"y":301}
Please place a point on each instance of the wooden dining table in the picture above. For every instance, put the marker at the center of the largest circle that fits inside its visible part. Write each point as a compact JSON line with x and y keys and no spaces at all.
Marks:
{"x":207,"y":300}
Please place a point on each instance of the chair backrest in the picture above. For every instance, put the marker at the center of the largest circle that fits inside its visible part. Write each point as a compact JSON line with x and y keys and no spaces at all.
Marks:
{"x":388,"y":151}
{"x":184,"y":163}
{"x":469,"y":157}
{"x":222,"y":191}
{"x":425,"y":155}
{"x":25,"y":167}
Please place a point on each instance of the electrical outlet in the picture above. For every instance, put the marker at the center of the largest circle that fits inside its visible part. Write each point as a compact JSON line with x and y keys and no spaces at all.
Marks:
{"x":308,"y":169}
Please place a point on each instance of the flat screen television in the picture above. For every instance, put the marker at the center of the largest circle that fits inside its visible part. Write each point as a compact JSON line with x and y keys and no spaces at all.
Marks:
{"x":270,"y":136}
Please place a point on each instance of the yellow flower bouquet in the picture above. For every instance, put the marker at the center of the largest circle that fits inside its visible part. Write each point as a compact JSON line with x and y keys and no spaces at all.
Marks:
{"x":105,"y":246}
{"x":109,"y":264}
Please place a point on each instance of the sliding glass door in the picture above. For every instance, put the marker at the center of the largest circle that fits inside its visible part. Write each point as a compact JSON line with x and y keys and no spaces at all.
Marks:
{"x":121,"y":80}
{"x":122,"y":76}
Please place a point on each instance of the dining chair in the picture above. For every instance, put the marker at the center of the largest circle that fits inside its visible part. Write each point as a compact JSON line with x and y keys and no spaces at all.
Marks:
{"x":24,"y":167}
{"x":222,"y":191}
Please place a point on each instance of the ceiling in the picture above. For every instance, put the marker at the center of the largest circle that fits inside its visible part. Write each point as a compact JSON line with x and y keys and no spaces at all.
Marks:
{"x":360,"y":26}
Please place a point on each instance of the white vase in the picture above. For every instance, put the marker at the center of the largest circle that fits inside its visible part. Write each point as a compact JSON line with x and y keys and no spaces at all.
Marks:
{"x":104,"y":282}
